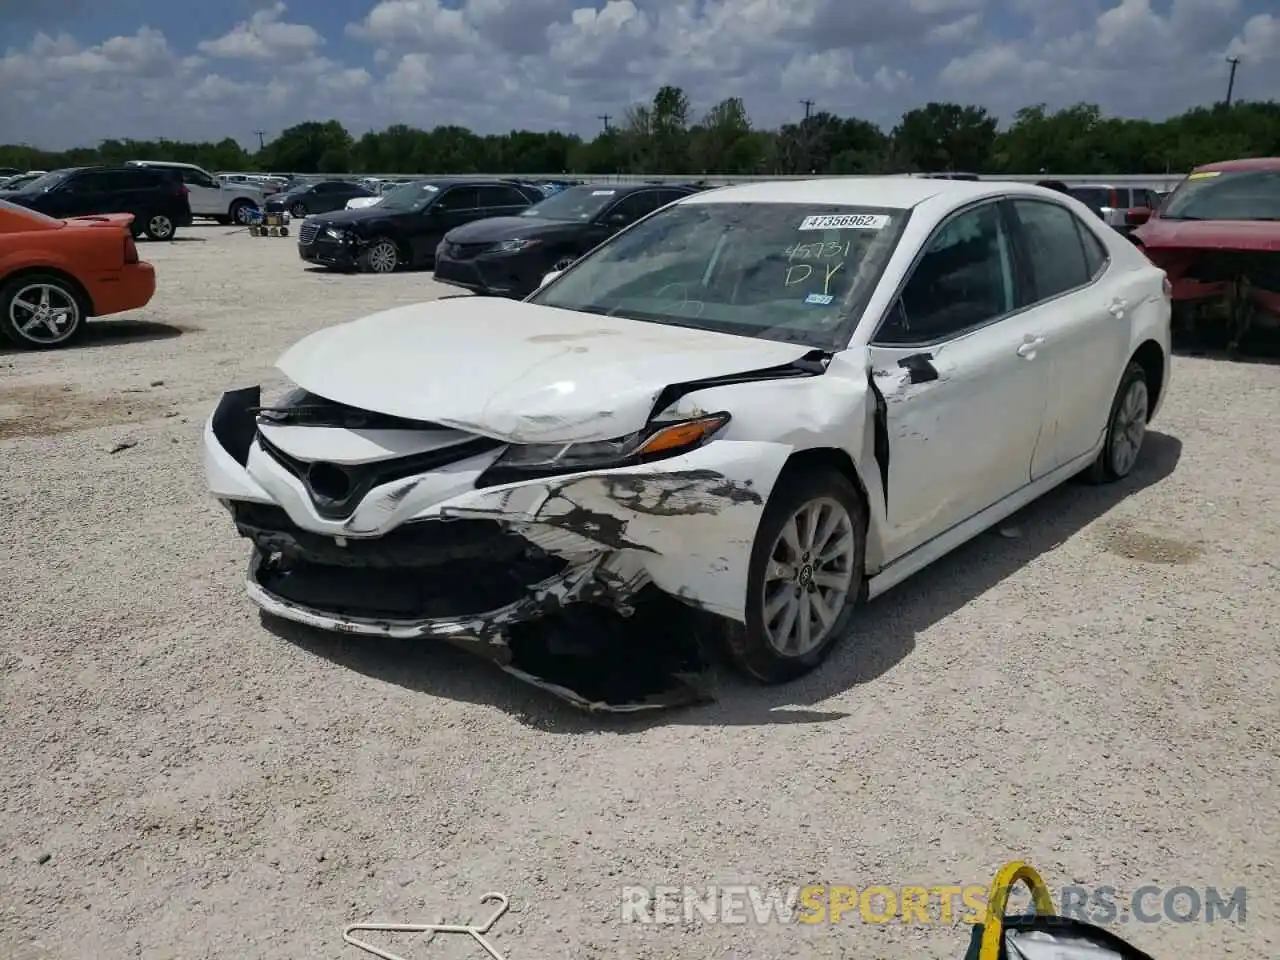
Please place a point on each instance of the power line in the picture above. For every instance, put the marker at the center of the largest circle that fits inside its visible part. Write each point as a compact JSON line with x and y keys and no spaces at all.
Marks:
{"x":808,"y":108}
{"x":261,"y":143}
{"x":605,"y":118}
{"x":1231,"y":80}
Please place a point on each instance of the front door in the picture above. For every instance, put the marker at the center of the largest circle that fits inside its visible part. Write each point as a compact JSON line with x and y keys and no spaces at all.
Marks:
{"x":454,"y":207}
{"x":205,"y":195}
{"x":962,"y":381}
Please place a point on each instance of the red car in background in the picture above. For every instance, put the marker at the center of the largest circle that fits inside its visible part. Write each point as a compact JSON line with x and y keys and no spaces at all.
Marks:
{"x":1217,"y":236}
{"x":56,"y":274}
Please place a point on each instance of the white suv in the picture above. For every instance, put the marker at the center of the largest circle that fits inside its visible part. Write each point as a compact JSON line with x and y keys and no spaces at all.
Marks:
{"x":213,"y":199}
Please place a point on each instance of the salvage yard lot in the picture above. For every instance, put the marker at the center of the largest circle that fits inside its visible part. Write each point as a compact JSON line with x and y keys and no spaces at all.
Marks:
{"x":1094,"y":691}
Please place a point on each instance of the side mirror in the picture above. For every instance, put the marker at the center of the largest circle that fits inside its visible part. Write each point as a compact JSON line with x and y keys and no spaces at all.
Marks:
{"x":1137,"y":215}
{"x":618,"y":220}
{"x":549,"y":277}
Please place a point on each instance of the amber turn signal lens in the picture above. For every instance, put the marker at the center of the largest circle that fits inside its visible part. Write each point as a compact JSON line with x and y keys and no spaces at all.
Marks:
{"x":681,"y":435}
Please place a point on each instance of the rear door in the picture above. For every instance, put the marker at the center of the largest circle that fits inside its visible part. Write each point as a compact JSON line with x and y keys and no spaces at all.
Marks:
{"x":89,"y":192}
{"x":1081,"y":308}
{"x":500,"y":200}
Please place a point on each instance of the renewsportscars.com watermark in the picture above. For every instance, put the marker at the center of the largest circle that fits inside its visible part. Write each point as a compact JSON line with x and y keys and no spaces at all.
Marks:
{"x":825,"y":904}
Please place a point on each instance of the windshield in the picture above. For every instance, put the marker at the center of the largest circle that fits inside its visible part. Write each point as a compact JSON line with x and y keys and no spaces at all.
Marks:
{"x":409,"y":197}
{"x":51,"y":179}
{"x":1225,"y":195}
{"x":777,"y":271}
{"x":575,"y":203}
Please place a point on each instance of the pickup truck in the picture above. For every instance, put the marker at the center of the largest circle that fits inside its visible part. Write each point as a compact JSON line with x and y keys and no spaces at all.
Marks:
{"x":213,"y":199}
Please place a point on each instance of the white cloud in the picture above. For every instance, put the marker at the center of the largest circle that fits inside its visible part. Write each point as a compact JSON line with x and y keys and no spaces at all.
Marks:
{"x":557,"y":64}
{"x":264,"y":36}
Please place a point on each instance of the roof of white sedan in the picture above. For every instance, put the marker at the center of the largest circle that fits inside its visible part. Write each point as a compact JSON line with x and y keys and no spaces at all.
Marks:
{"x":894,"y":192}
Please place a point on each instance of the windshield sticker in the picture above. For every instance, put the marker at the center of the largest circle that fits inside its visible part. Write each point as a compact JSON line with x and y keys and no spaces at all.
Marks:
{"x":1204,"y":175}
{"x":603,"y":193}
{"x":821,"y":299}
{"x":857,"y":221}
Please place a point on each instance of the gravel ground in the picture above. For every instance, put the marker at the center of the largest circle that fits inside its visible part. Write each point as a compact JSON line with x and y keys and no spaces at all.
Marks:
{"x":1095,"y":693}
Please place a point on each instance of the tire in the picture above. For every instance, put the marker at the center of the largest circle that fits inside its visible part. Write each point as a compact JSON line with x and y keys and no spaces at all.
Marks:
{"x":240,"y":212}
{"x":284,"y":231}
{"x":20,"y":325}
{"x":298,"y":210}
{"x":752,"y":646}
{"x":1126,"y":429}
{"x":564,"y":263}
{"x":380,"y":256}
{"x":159,"y":226}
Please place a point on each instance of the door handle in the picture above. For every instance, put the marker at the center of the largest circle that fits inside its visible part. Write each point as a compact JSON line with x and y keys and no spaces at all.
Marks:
{"x":1029,"y":346}
{"x":1117,"y":307}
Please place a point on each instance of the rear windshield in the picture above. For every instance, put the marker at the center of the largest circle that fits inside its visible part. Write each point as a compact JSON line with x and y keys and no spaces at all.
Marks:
{"x":1225,"y":195}
{"x":574,"y":203}
{"x":776,"y":271}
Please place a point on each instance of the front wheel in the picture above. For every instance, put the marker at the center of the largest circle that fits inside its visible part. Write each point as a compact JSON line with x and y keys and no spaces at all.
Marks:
{"x":805,"y":577}
{"x":1126,"y":428}
{"x":298,"y":210}
{"x":381,"y":256}
{"x":41,"y":312}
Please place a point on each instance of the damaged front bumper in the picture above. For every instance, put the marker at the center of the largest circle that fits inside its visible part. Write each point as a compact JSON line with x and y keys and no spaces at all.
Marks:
{"x":581,"y":584}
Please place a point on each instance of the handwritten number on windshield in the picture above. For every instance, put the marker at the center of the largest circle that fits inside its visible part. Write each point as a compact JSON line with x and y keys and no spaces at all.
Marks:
{"x":825,"y":257}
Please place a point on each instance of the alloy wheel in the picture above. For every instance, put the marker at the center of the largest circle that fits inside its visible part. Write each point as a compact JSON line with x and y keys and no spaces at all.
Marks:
{"x":44,"y":314}
{"x":1130,"y":428}
{"x":383,"y":257}
{"x":809,"y":577}
{"x":160,"y":227}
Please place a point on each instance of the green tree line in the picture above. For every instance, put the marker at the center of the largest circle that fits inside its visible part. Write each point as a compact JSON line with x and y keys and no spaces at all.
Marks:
{"x":665,"y":136}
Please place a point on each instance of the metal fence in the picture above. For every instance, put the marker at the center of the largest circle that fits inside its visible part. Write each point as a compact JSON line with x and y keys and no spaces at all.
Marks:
{"x":1151,"y":181}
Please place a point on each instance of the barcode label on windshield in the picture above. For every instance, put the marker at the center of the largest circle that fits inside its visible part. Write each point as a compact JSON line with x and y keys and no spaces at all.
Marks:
{"x":856,"y":221}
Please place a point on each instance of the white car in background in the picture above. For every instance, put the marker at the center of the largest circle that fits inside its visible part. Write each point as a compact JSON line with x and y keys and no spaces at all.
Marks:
{"x":211,"y":197}
{"x":769,"y":401}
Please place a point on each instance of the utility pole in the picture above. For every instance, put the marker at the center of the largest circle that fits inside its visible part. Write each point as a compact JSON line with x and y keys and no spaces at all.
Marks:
{"x":1231,"y":80}
{"x":605,"y":118}
{"x":808,"y":108}
{"x":261,"y":143}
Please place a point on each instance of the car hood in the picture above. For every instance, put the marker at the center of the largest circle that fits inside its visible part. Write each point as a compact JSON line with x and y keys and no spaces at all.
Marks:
{"x":1258,"y":235}
{"x":497,"y":229}
{"x":516,"y":371}
{"x":355,"y":215}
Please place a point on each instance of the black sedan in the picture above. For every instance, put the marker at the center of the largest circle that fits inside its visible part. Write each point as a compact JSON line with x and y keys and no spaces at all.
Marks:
{"x":308,"y":198}
{"x":509,"y":256}
{"x":406,"y":226}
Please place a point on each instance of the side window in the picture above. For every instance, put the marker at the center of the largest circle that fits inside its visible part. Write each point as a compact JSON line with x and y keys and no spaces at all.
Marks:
{"x":323,"y":189}
{"x":964,"y":279}
{"x":459,"y":198}
{"x":84,"y":183}
{"x":636,"y":205}
{"x":1095,"y":253}
{"x":196,"y":178}
{"x":501,"y":197}
{"x":669,"y":196}
{"x":1054,"y":247}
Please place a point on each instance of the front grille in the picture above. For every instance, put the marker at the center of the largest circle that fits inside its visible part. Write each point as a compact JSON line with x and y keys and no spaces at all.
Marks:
{"x":425,"y":569}
{"x":466,"y":251}
{"x":307,"y":234}
{"x":336,"y":490}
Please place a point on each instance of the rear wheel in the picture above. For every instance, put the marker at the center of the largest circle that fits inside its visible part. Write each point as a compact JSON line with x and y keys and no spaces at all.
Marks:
{"x":41,"y":312}
{"x":805,"y":577}
{"x":241,"y":212}
{"x":1126,"y":428}
{"x":381,"y":256}
{"x":158,"y":227}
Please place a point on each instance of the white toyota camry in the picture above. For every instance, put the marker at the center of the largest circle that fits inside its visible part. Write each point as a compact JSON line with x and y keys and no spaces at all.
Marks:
{"x":770,"y":401}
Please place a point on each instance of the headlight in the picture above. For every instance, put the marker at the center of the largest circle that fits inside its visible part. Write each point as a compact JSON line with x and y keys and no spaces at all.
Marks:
{"x":334,"y":233}
{"x":652,"y":443}
{"x":510,"y":246}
